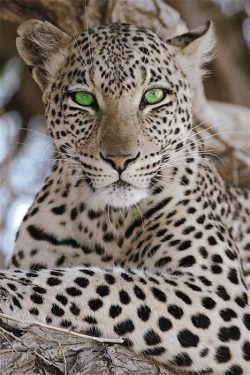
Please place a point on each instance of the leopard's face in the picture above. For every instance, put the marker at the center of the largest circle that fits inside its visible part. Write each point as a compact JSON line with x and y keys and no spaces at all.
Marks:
{"x":118,"y":103}
{"x":120,"y":142}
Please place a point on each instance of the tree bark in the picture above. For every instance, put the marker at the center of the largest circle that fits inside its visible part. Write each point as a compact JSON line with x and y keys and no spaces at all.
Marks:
{"x":37,"y":350}
{"x":42,"y":351}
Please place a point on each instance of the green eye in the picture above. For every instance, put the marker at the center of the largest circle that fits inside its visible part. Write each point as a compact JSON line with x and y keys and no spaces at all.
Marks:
{"x":83,"y":98}
{"x":154,"y":96}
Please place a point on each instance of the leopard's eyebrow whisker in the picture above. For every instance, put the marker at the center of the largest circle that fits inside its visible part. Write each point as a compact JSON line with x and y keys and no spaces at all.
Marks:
{"x":36,"y":132}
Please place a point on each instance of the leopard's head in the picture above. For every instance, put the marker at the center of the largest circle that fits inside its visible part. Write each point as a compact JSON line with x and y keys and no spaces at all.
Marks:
{"x":118,"y":102}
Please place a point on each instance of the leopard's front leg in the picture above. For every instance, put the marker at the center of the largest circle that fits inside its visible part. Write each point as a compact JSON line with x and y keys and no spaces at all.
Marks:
{"x":188,"y":326}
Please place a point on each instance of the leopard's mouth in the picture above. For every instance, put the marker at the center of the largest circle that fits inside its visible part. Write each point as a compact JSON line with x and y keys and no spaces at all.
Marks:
{"x":120,"y":184}
{"x":119,"y":194}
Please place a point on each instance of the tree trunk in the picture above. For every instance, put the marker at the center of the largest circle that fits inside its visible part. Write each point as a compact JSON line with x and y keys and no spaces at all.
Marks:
{"x":36,"y":350}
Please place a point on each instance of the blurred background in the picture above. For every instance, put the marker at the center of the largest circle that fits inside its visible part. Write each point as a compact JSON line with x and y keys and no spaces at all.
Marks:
{"x":25,"y":149}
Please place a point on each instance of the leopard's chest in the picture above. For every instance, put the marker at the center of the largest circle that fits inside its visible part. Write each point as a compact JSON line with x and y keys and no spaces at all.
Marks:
{"x":101,"y":237}
{"x":154,"y":243}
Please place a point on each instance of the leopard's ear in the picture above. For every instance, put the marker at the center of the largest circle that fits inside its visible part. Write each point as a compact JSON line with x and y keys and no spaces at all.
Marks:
{"x":193,"y":49}
{"x":42,"y":46}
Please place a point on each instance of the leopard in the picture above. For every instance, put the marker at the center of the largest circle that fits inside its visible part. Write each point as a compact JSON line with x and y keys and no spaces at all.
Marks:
{"x":134,"y":234}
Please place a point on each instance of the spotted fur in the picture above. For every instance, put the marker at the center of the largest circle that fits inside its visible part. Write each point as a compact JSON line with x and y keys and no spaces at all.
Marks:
{"x":151,"y":252}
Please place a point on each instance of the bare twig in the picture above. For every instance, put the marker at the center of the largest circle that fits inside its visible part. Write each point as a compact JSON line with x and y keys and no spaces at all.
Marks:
{"x":64,"y":359}
{"x":3,"y":334}
{"x":63,"y":330}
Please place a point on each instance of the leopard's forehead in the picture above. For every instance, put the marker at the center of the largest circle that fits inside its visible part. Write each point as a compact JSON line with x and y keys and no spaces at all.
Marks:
{"x":119,"y":38}
{"x":120,"y":56}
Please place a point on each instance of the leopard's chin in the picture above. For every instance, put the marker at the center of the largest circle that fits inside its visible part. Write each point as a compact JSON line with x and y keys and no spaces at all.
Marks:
{"x":118,"y":195}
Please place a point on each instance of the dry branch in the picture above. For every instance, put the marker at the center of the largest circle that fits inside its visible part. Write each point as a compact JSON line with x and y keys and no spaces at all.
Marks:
{"x":62,"y":330}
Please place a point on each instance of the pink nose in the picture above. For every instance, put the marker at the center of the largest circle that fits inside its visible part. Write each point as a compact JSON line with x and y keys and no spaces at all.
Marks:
{"x":119,"y":162}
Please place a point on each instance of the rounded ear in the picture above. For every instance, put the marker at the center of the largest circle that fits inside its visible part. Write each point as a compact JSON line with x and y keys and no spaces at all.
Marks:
{"x":42,"y":46}
{"x":193,"y":49}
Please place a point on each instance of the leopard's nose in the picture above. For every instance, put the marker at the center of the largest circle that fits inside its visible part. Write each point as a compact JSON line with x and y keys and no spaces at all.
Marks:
{"x":120,"y":161}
